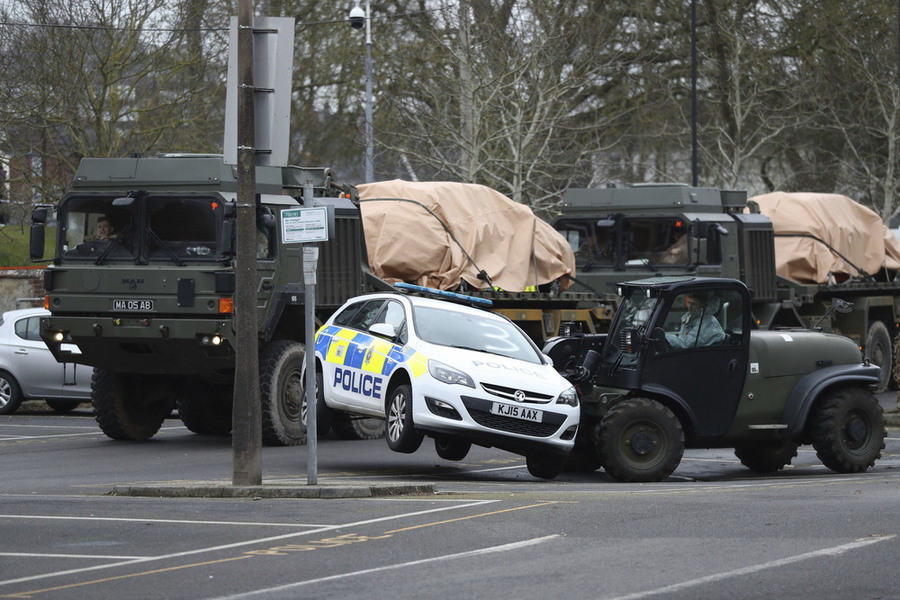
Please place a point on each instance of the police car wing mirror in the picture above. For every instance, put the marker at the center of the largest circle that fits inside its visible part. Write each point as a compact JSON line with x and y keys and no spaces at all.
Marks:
{"x":384,"y":330}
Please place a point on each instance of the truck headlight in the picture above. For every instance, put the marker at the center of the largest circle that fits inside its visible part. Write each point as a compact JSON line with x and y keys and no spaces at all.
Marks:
{"x":442,"y":372}
{"x":570,"y":397}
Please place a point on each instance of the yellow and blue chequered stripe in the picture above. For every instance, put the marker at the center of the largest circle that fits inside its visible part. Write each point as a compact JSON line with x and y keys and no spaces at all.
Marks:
{"x":359,"y":350}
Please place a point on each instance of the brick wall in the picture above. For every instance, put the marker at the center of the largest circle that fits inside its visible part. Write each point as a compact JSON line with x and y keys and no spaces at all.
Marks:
{"x":21,"y":288}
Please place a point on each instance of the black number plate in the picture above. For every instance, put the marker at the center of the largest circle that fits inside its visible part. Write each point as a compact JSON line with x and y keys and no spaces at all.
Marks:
{"x":133,"y":305}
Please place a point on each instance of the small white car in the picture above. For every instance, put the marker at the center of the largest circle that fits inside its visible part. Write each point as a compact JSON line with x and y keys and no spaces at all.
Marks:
{"x":456,"y":373}
{"x":28,"y":370}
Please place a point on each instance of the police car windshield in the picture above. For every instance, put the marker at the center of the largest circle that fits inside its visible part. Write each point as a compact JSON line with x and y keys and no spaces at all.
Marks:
{"x":473,"y":331}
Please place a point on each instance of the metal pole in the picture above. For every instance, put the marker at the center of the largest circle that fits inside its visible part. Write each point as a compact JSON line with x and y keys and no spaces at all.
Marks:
{"x":694,"y":93}
{"x":370,"y":136}
{"x":246,"y":417}
{"x":310,"y":261}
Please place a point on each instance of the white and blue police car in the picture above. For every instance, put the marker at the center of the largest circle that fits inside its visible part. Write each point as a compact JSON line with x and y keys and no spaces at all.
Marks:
{"x":459,"y":374}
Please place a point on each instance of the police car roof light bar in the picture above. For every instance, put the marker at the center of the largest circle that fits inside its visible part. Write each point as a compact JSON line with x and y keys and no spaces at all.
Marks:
{"x":443,"y":294}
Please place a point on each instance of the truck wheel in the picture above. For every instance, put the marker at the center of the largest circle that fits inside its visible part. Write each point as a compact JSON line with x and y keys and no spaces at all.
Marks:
{"x":544,"y":465}
{"x":879,"y":351}
{"x":281,"y":393}
{"x":401,"y":432}
{"x":451,"y":448}
{"x":767,"y":458}
{"x":847,"y":430}
{"x":357,"y":428}
{"x":640,"y":440}
{"x":129,"y":407}
{"x":10,"y":394}
{"x":205,"y":408}
{"x":324,"y":415}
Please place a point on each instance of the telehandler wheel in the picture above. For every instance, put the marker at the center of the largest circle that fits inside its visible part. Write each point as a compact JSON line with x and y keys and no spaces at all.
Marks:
{"x":767,"y":458}
{"x":584,"y":457}
{"x":847,"y":429}
{"x":130,"y":407}
{"x":281,"y":393}
{"x":880,"y":352}
{"x":640,"y":440}
{"x":451,"y":448}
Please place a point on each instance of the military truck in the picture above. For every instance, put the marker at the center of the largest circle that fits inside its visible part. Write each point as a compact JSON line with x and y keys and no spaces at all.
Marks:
{"x":683,"y":367}
{"x":653,"y":230}
{"x":150,"y":305}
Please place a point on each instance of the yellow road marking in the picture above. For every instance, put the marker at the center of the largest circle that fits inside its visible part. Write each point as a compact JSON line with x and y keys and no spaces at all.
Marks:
{"x":117,"y":577}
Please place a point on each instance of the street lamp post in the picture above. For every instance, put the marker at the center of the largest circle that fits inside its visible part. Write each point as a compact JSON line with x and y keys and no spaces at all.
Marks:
{"x":359,"y":18}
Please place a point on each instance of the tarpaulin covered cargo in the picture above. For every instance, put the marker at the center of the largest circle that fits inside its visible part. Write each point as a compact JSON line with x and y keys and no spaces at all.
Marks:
{"x":806,"y":224}
{"x":438,"y":234}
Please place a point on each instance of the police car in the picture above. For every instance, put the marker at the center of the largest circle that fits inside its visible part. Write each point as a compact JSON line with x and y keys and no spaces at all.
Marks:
{"x":452,"y":372}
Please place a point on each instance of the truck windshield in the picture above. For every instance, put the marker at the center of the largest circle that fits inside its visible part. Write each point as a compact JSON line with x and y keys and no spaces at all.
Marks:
{"x":167,"y":228}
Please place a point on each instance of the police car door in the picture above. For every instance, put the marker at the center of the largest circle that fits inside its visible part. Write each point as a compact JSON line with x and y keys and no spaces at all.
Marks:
{"x":357,"y":358}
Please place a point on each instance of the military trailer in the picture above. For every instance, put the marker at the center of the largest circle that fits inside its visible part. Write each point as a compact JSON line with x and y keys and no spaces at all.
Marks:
{"x":150,"y":303}
{"x":682,"y":367}
{"x":653,"y":230}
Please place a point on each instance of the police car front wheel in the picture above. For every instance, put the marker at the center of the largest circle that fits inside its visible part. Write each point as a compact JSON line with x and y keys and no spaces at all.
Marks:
{"x":401,"y":433}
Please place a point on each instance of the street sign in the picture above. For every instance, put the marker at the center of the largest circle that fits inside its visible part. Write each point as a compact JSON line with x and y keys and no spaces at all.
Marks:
{"x":300,"y":225}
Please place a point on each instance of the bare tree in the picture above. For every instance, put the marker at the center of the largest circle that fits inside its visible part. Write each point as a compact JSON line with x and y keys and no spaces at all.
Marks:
{"x":106,"y":79}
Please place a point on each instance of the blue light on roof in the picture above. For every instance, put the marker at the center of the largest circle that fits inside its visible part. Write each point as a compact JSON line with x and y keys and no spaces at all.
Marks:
{"x":443,"y":294}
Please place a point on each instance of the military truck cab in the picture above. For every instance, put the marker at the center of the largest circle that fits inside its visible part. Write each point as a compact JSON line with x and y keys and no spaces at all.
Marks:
{"x":681,"y":367}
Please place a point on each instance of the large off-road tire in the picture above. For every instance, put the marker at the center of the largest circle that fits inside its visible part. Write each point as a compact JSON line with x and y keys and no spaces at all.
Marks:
{"x":400,"y":433}
{"x":10,"y":394}
{"x":349,"y":427}
{"x":62,"y":406}
{"x":544,"y":465}
{"x":847,"y":429}
{"x":584,"y":457}
{"x":451,"y":448}
{"x":880,"y":352}
{"x":130,"y":407}
{"x":281,"y":392}
{"x":205,"y":408}
{"x":767,"y":458}
{"x":640,"y":440}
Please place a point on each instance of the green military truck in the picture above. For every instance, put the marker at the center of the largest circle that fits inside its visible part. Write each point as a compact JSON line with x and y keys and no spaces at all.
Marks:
{"x":653,"y":230}
{"x":683,"y":367}
{"x":143,"y":281}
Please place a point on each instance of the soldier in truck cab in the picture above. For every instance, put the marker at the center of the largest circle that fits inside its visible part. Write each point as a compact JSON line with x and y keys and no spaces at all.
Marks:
{"x":104,"y":229}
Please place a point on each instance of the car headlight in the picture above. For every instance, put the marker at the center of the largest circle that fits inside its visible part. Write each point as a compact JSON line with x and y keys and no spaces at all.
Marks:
{"x":570,"y":397}
{"x":442,"y":372}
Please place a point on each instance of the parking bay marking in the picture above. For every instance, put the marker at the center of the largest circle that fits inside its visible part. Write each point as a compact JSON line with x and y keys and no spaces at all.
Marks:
{"x":833,"y":551}
{"x":480,"y":551}
{"x":242,"y":543}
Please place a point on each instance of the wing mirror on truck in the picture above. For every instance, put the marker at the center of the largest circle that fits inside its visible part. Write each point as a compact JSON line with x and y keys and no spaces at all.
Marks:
{"x":837,"y":305}
{"x":36,"y":241}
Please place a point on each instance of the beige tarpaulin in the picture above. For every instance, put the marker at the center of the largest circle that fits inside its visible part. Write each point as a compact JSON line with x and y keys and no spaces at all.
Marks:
{"x":410,"y":229}
{"x":856,"y":233}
